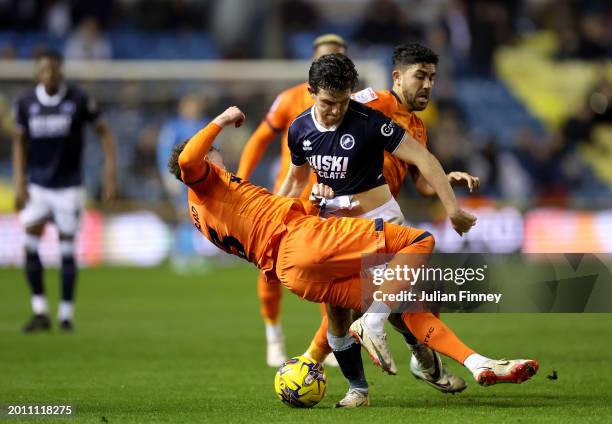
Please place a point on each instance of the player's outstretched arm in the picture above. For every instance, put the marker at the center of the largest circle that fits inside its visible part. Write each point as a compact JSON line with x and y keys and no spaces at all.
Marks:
{"x":109,"y":147}
{"x":19,"y":169}
{"x":455,"y":178}
{"x":254,"y":149}
{"x":295,"y":181}
{"x":410,"y":150}
{"x":191,"y":160}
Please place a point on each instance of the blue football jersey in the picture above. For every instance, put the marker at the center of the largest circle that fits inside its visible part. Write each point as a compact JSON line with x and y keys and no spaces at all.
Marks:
{"x":349,"y":158}
{"x":54,"y":130}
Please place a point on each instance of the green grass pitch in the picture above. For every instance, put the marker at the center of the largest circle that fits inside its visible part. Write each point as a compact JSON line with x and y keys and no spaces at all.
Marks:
{"x":152,"y":346}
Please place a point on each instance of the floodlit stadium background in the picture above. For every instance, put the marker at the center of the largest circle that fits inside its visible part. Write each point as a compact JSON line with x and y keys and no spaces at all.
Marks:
{"x":523,"y":99}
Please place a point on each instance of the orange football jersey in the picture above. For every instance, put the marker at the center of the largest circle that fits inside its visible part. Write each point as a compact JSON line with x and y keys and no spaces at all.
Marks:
{"x":239,"y":217}
{"x":387,"y":102}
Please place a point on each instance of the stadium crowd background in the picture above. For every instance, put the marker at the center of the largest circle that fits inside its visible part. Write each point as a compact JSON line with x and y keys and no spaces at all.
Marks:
{"x":523,"y":97}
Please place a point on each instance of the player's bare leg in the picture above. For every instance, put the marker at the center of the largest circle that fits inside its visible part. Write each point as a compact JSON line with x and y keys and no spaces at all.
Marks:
{"x":34,"y":273}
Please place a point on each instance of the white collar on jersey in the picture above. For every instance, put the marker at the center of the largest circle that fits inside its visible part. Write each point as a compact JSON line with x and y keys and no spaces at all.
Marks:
{"x":47,"y":100}
{"x":320,"y":127}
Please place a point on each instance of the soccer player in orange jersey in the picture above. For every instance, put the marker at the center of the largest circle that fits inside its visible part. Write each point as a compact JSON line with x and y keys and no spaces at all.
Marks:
{"x":270,"y":231}
{"x":287,"y":106}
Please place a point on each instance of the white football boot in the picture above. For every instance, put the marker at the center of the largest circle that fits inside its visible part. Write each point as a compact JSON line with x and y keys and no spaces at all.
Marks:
{"x":354,"y":398}
{"x":375,"y":344}
{"x":505,"y":371}
{"x":426,"y":365}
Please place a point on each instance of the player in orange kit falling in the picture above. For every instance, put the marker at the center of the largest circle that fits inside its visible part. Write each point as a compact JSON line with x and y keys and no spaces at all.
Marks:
{"x":270,"y":231}
{"x":287,"y":106}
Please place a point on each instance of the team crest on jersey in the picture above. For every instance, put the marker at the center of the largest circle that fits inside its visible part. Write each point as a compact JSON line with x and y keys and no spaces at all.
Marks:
{"x":347,"y":142}
{"x":387,"y":129}
{"x":307,"y":145}
{"x":34,"y":109}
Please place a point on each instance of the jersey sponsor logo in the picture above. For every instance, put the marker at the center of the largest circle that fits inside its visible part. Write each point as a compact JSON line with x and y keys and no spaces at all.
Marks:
{"x":328,"y":166}
{"x":49,"y":126}
{"x":307,"y":145}
{"x":347,"y":142}
{"x":387,"y":129}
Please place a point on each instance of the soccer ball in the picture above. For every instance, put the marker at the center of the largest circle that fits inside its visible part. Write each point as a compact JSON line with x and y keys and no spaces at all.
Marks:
{"x":300,"y":382}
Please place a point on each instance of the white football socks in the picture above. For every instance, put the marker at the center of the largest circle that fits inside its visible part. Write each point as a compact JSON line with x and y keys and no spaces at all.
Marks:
{"x":340,"y":343}
{"x":376,"y":315}
{"x":39,"y":304}
{"x":475,"y":361}
{"x":274,"y":333}
{"x":65,"y":311}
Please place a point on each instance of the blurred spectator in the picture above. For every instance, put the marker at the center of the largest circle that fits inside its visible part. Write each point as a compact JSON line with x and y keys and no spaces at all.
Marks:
{"x":7,"y":51}
{"x":144,"y":165}
{"x":384,"y":23}
{"x":58,"y":19}
{"x":458,"y":41}
{"x":299,"y":16}
{"x":538,"y":157}
{"x":88,"y":42}
{"x":103,"y":10}
{"x":490,"y":26}
{"x":156,"y":15}
{"x":594,"y":37}
{"x":21,"y":14}
{"x":230,"y":15}
{"x":190,"y":120}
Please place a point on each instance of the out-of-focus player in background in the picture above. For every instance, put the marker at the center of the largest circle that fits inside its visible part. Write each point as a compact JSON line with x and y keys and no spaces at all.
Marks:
{"x":191,"y":117}
{"x":286,"y":107}
{"x":47,"y":158}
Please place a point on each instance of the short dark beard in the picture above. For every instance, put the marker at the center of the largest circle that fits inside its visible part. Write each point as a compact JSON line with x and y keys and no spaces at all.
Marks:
{"x":411,"y":103}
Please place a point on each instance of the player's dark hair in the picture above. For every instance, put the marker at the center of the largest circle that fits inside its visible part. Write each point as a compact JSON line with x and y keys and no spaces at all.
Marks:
{"x":49,"y":54}
{"x":412,"y":53}
{"x":173,"y":165}
{"x":333,"y":72}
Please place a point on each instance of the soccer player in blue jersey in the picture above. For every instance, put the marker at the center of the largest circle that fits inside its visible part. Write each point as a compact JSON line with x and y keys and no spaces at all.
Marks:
{"x":47,"y":160}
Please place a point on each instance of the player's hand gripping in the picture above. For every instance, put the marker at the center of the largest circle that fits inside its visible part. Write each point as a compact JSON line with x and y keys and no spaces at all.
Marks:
{"x":319,"y":192}
{"x":463,"y":179}
{"x":231,"y":115}
{"x":462,"y":221}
